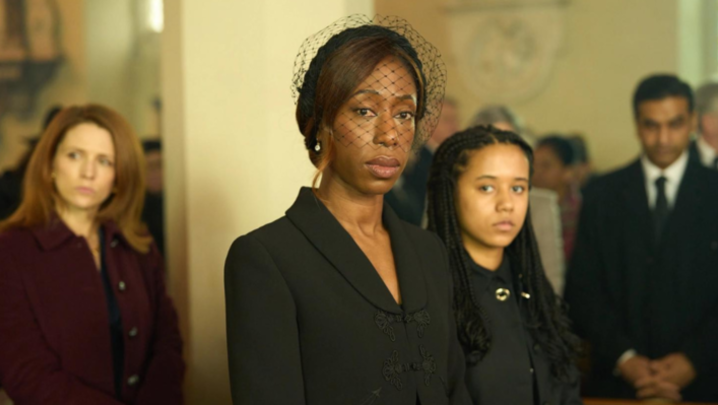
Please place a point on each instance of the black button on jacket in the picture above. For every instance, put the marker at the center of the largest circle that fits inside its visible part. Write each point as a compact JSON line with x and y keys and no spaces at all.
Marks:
{"x":309,"y":320}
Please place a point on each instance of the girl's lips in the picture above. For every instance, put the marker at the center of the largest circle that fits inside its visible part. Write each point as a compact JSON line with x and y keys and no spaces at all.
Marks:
{"x":504,"y":226}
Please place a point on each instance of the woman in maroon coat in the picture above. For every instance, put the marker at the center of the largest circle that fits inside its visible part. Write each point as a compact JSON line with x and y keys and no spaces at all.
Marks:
{"x":84,"y":316}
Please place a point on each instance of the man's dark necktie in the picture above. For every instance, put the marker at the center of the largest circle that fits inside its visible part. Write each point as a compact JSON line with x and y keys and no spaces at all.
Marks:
{"x":660,"y":211}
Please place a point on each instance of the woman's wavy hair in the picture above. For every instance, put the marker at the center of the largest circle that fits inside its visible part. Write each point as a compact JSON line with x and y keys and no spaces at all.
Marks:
{"x":548,"y":324}
{"x":124,"y":206}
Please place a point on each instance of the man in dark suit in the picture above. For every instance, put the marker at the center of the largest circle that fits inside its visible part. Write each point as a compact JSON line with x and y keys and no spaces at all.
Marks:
{"x":641,"y":285}
{"x":704,"y":150}
{"x":408,"y":196}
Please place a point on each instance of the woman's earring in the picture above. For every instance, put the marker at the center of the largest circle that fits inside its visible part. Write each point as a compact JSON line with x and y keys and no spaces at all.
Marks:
{"x":318,"y":147}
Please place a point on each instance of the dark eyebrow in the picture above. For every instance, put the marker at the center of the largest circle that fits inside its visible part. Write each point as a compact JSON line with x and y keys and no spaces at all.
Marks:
{"x":374,"y":92}
{"x":677,"y":119}
{"x":366,"y":91}
{"x":80,"y":149}
{"x":486,"y":176}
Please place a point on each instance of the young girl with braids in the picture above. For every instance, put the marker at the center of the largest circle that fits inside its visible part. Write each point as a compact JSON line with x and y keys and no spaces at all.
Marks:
{"x":512,"y":326}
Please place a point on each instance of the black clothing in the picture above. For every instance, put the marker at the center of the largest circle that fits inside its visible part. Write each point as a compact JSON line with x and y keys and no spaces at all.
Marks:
{"x":627,"y":291}
{"x":514,"y":370}
{"x":10,"y":192}
{"x":408,"y":197}
{"x":309,"y":320}
{"x":660,"y":210}
{"x":153,"y":216}
{"x":694,"y":155}
{"x":115,"y":318}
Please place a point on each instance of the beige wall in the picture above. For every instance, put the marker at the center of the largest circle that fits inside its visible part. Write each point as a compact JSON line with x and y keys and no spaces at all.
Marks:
{"x":234,"y":157}
{"x":123,"y":60}
{"x":608,"y":46}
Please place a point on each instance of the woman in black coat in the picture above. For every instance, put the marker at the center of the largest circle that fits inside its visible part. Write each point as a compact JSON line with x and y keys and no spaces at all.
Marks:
{"x":511,"y":324}
{"x":339,"y":301}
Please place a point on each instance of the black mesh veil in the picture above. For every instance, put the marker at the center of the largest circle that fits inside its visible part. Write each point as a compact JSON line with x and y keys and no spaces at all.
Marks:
{"x":383,"y":109}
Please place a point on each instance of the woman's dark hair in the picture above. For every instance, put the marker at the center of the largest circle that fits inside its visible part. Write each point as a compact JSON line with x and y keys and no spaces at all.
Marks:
{"x":338,"y":68}
{"x":562,"y":147}
{"x":548,"y":324}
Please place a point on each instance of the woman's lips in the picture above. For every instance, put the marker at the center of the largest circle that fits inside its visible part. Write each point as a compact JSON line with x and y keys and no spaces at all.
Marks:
{"x":85,"y":190}
{"x":383,"y":167}
{"x":504,"y":226}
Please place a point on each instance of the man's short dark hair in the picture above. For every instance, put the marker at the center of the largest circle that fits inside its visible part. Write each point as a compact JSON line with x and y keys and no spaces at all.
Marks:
{"x":658,"y":87}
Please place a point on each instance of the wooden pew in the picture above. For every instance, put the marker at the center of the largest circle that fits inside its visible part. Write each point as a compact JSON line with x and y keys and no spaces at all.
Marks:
{"x":599,"y":401}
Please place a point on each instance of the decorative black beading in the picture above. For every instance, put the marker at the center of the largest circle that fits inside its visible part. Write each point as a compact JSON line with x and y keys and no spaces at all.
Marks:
{"x":384,"y":321}
{"x":393,"y":367}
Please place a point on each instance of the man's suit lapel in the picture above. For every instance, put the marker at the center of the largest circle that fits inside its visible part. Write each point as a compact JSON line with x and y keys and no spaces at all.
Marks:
{"x":688,"y":199}
{"x":694,"y":154}
{"x":683,"y":221}
{"x":636,"y":200}
{"x":328,"y":236}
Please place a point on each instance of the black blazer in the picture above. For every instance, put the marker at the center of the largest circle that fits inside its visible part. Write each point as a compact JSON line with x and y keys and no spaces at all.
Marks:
{"x":309,"y":320}
{"x":516,"y":368}
{"x":627,"y":290}
{"x":694,"y":155}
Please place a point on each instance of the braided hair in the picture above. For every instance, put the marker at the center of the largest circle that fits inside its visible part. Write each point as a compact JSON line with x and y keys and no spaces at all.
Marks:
{"x":548,"y":324}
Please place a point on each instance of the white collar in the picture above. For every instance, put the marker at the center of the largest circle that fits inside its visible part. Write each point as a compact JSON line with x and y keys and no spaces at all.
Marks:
{"x":672,"y":173}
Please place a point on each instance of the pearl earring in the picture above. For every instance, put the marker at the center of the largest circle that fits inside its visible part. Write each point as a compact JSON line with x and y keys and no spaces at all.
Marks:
{"x":318,"y":147}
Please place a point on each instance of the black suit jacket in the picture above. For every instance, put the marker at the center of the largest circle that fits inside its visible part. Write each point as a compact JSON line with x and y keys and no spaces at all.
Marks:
{"x":627,"y":290}
{"x":309,"y":320}
{"x":694,"y":155}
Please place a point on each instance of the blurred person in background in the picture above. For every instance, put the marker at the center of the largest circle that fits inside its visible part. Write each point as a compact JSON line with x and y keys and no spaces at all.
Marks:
{"x":705,"y":149}
{"x":500,"y":117}
{"x":553,"y":170}
{"x":11,"y":180}
{"x":582,"y":166}
{"x":641,"y":285}
{"x":408,"y":196}
{"x":153,"y":212}
{"x":545,"y":213}
{"x":85,"y":316}
{"x":512,"y":325}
